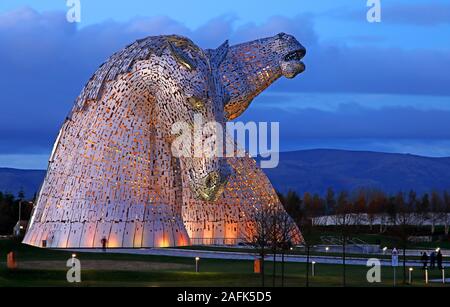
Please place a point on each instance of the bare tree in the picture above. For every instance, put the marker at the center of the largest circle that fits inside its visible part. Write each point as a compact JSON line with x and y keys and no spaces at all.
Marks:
{"x":360,"y":208}
{"x":299,"y":213}
{"x":437,"y":210}
{"x":344,"y":221}
{"x":391,"y":208}
{"x":446,"y":216}
{"x":423,"y":209}
{"x":286,"y":235}
{"x":378,"y":208}
{"x":374,"y":209}
{"x":330,"y":202}
{"x":407,"y":221}
{"x":274,"y":233}
{"x":260,"y":237}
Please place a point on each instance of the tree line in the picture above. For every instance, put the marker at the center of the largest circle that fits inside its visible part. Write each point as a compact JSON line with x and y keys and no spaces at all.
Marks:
{"x":9,"y":211}
{"x":402,"y":215}
{"x":429,"y":208}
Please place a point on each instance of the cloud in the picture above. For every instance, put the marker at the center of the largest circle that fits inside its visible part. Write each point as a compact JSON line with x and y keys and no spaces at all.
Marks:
{"x":429,"y":14}
{"x":432,"y":13}
{"x":352,"y":126}
{"x":301,"y":26}
{"x":373,"y":70}
{"x":46,"y":61}
{"x":351,"y":120}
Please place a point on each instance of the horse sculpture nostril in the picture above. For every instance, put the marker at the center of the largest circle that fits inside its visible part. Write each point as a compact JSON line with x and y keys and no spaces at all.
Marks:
{"x":302,"y":52}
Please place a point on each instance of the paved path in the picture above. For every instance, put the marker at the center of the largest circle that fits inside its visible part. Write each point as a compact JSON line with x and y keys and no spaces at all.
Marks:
{"x":173,"y":252}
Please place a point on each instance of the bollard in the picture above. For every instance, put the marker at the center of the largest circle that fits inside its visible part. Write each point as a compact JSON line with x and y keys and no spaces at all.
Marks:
{"x":257,"y":266}
{"x":11,"y":261}
{"x":410,"y":275}
{"x":313,"y":271}
{"x":443,"y":275}
{"x":197,"y":268}
{"x":426,"y":276}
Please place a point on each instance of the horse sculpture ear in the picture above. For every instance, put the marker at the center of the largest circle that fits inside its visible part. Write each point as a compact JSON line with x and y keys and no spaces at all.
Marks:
{"x":217,"y":56}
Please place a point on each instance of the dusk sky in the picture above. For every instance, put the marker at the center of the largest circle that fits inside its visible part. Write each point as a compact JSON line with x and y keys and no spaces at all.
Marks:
{"x":368,"y":86}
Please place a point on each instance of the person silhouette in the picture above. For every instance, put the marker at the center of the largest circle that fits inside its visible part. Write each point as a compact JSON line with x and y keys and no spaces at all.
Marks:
{"x":424,"y":259}
{"x":104,"y":242}
{"x":439,"y":260}
{"x":432,"y":260}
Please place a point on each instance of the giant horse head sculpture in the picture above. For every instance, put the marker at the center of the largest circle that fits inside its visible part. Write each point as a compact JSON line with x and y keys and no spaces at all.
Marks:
{"x":115,"y":172}
{"x":218,"y":84}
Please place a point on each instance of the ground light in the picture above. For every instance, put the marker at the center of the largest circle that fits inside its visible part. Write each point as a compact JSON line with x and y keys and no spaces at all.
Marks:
{"x":410,"y":275}
{"x":197,"y":268}
{"x":73,"y":258}
{"x":443,"y":275}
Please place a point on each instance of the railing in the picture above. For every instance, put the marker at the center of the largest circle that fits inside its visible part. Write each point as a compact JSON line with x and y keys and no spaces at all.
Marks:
{"x":331,"y":240}
{"x":356,"y":242}
{"x":216,"y":241}
{"x":359,"y":244}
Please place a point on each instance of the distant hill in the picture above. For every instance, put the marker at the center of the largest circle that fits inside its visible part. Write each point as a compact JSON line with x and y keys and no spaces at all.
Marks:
{"x":13,"y":180}
{"x":314,"y":171}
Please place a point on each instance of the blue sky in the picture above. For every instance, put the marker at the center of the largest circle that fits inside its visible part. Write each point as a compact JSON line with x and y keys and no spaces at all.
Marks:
{"x":381,"y":87}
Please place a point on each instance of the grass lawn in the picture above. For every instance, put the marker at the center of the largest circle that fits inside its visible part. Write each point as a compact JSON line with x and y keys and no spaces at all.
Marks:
{"x":39,"y":267}
{"x":298,"y":251}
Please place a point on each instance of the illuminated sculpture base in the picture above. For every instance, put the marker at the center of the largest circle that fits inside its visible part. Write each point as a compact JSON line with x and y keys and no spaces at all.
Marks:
{"x":204,"y":223}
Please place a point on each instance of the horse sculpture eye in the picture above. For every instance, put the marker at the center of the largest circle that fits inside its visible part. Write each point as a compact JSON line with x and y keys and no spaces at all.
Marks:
{"x":196,"y":103}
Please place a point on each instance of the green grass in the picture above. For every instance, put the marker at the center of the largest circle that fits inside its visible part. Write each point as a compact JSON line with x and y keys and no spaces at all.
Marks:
{"x":295,"y":251}
{"x":213,"y":272}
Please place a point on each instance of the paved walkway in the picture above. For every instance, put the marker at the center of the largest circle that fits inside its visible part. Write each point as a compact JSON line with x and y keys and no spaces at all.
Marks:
{"x":173,"y":252}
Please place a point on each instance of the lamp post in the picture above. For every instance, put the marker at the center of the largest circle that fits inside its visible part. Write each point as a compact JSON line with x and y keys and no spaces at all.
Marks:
{"x":20,"y":214}
{"x":197,"y":268}
{"x":20,"y":210}
{"x":73,"y":259}
{"x":410,"y":275}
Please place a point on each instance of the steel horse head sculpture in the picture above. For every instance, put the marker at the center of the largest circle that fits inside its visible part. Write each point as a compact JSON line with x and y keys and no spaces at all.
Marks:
{"x":112,"y":174}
